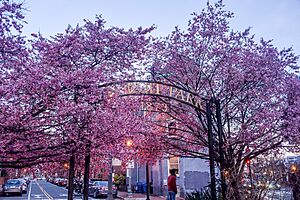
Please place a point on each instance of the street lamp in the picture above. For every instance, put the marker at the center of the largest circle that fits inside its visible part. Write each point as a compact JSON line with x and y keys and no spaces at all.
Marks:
{"x":129,"y":143}
{"x":226,"y":174}
{"x":293,"y":168}
{"x":66,"y":165}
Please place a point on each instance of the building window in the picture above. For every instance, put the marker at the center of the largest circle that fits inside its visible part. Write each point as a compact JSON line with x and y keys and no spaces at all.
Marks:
{"x":174,"y":164}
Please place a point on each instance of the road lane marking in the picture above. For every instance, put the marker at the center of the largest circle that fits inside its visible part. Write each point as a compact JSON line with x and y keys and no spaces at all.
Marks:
{"x":29,"y":193}
{"x":44,"y":191}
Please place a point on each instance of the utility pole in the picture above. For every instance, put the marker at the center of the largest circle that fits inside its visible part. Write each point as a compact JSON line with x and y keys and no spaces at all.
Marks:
{"x":248,"y":162}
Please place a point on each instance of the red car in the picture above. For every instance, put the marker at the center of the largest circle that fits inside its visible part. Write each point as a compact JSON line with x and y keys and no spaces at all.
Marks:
{"x":62,"y":182}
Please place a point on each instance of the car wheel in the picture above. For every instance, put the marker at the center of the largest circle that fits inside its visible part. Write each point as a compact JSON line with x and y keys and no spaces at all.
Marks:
{"x":95,"y":194}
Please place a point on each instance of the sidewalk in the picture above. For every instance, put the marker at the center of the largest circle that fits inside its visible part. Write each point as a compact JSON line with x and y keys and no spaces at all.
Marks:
{"x":141,"y":196}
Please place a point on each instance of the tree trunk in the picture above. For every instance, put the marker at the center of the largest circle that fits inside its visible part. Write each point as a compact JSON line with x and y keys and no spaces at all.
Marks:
{"x":236,"y":191}
{"x":87,"y":160}
{"x":109,"y":193}
{"x":148,"y":182}
{"x":71,"y":177}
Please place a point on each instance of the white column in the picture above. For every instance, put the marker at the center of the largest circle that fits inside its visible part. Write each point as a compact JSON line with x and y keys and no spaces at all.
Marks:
{"x":128,"y":172}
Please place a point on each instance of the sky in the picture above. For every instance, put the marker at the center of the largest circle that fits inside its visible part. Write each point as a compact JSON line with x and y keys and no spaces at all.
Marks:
{"x":278,"y":20}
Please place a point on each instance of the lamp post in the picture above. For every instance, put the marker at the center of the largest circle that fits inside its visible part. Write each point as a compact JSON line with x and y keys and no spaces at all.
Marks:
{"x":248,"y":162}
{"x":294,"y":181}
{"x":129,"y":144}
{"x":129,"y":191}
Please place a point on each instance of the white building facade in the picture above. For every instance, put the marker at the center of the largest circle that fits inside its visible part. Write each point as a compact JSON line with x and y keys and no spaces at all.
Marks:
{"x":192,"y":174}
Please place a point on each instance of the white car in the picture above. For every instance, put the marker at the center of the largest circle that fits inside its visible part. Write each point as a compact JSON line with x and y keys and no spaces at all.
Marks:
{"x":13,"y":186}
{"x":24,"y":185}
{"x":273,"y":186}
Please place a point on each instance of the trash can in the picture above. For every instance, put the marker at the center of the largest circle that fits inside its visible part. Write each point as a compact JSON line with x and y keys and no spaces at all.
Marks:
{"x":144,"y":187}
{"x":139,"y":187}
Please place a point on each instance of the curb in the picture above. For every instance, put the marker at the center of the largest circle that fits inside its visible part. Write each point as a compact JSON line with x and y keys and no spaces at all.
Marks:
{"x":140,"y":198}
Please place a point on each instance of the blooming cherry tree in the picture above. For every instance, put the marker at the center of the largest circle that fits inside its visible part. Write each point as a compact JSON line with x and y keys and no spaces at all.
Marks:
{"x":249,"y":78}
{"x":72,"y":67}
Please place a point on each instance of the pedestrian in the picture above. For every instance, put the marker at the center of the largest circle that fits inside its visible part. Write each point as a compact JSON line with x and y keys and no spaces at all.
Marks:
{"x":172,"y":189}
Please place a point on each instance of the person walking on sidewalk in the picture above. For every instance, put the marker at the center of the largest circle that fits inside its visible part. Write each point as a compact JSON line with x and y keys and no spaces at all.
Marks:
{"x":172,"y":189}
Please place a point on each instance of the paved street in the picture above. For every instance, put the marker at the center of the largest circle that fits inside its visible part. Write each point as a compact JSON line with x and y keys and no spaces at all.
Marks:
{"x":42,"y":190}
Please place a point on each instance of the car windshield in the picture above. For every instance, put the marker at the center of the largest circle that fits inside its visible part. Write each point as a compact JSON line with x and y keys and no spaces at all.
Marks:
{"x":101,"y":183}
{"x":13,"y":182}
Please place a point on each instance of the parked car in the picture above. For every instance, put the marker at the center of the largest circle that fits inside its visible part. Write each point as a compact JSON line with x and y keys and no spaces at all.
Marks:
{"x":273,"y":186}
{"x":27,"y":179}
{"x":57,"y":181}
{"x":62,"y":182}
{"x":24,"y":185}
{"x":13,"y":186}
{"x":100,"y":188}
{"x":50,"y":179}
{"x":78,"y":186}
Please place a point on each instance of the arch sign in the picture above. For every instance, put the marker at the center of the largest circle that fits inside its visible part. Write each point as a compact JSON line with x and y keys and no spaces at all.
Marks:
{"x":162,"y":90}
